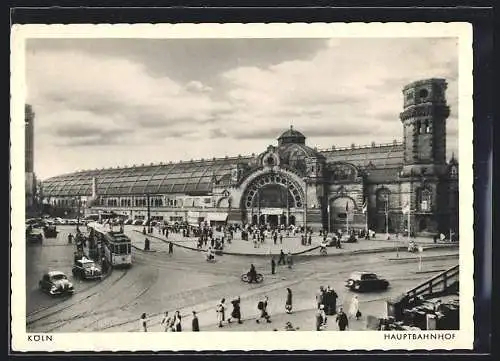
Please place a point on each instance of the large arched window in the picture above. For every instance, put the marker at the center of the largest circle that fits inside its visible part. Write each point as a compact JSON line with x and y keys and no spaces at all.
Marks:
{"x":424,"y":199}
{"x":383,"y":198}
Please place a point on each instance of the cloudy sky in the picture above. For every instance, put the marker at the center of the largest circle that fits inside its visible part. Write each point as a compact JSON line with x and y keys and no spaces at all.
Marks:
{"x":109,"y":102}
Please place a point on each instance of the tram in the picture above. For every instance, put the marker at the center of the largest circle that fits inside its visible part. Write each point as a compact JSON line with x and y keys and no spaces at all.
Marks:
{"x":116,"y":245}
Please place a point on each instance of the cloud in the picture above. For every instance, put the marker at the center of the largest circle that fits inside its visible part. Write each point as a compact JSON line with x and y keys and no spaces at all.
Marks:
{"x":343,"y":91}
{"x":75,"y":93}
{"x":350,"y":88}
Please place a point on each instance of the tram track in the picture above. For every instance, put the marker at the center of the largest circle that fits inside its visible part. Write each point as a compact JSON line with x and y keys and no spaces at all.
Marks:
{"x":72,"y":304}
{"x":203,"y":298}
{"x":110,"y":309}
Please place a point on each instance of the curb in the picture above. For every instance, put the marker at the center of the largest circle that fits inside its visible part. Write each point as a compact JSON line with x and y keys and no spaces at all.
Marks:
{"x":432,"y":271}
{"x":354,"y":252}
{"x":301,"y":253}
{"x":441,"y":256}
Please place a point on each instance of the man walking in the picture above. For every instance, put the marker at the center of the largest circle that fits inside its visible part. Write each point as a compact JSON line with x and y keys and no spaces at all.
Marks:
{"x":273,"y":266}
{"x":281,"y":260}
{"x":195,"y":324}
{"x":170,"y":248}
{"x":236,"y":312}
{"x":262,"y":307}
{"x":342,"y":320}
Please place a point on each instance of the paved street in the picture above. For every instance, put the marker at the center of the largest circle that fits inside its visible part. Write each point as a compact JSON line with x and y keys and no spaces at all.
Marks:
{"x":158,"y":282}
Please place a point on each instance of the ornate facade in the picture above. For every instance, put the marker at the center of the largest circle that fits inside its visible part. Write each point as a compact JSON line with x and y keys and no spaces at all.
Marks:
{"x":291,"y":183}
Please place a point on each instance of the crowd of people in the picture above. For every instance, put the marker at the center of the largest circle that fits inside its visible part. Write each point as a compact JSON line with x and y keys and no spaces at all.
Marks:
{"x":326,"y":300}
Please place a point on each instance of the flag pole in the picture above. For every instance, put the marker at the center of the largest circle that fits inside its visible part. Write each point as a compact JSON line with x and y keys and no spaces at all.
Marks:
{"x":387,"y":218}
{"x":328,"y":211}
{"x":347,"y":217}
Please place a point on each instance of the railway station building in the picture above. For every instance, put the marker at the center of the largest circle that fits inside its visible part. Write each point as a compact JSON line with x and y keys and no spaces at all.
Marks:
{"x":385,"y":187}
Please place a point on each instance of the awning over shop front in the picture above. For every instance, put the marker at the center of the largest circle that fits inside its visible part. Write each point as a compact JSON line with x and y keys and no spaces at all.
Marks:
{"x":217,"y":217}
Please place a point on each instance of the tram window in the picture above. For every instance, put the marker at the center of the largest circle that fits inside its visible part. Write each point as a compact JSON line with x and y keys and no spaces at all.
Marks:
{"x":129,"y":248}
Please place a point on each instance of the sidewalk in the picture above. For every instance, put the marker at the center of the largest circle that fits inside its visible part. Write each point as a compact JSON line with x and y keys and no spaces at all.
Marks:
{"x":290,"y":244}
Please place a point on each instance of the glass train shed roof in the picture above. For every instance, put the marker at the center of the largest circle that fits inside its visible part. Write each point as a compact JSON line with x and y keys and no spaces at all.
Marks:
{"x":196,"y":177}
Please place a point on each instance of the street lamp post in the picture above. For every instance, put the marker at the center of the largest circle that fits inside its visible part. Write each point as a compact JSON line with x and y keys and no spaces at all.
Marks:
{"x":387,"y":218}
{"x":149,"y":213}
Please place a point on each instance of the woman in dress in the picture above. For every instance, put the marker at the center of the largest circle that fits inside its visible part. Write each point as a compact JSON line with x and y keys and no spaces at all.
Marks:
{"x":288,"y":303}
{"x":354,"y":308}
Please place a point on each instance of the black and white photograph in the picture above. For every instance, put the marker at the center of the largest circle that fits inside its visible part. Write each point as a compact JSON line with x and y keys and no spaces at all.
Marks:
{"x":240,"y":183}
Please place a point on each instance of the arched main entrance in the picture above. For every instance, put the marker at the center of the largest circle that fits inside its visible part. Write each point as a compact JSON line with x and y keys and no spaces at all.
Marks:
{"x":341,"y":213}
{"x":273,"y":199}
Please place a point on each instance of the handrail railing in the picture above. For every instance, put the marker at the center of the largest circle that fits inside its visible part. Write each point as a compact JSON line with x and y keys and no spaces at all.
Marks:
{"x":430,"y":285}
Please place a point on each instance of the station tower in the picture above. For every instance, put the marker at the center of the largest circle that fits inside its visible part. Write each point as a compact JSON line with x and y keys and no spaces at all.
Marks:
{"x":424,"y":173}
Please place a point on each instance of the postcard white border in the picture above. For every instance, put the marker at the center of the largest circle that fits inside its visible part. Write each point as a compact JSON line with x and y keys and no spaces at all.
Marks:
{"x":364,"y":340}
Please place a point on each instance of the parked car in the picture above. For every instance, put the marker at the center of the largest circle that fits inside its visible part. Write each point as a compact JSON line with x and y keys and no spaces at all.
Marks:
{"x":86,"y":269}
{"x":56,"y":283}
{"x":128,"y":221}
{"x":34,"y":235}
{"x":138,"y":222}
{"x":366,"y":281}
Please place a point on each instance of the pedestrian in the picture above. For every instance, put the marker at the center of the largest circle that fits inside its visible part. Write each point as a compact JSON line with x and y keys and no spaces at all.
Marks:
{"x":309,"y":239}
{"x":281,"y":238}
{"x":302,"y":240}
{"x":281,"y":260}
{"x":288,"y":302}
{"x":275,"y":238}
{"x":144,"y":323}
{"x":342,"y":320}
{"x":262,"y":307}
{"x":331,"y":302}
{"x":289,"y":260}
{"x":320,"y":297}
{"x":319,"y":320}
{"x":170,"y":248}
{"x":236,"y":312}
{"x":354,"y":308}
{"x":273,"y":266}
{"x":195,"y":325}
{"x":177,"y":321}
{"x":167,"y":322}
{"x":220,"y":310}
{"x":146,"y":244}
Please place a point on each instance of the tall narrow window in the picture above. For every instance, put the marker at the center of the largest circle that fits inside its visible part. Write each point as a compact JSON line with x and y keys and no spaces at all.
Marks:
{"x":424,"y":199}
{"x":427,"y":129}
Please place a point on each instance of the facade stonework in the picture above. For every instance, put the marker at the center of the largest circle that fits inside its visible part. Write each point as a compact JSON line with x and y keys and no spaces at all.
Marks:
{"x":292,"y":183}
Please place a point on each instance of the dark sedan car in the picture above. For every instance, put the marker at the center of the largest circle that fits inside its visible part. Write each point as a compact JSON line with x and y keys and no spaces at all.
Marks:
{"x":366,"y":281}
{"x":56,"y":283}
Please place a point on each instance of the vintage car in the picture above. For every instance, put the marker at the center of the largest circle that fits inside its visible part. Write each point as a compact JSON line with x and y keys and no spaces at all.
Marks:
{"x":366,"y":281}
{"x":50,"y":231}
{"x":56,"y":283}
{"x":86,"y":268}
{"x":34,"y":235}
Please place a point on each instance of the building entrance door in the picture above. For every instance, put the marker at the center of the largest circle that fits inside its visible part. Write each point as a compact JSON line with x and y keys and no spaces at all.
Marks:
{"x":272,"y":220}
